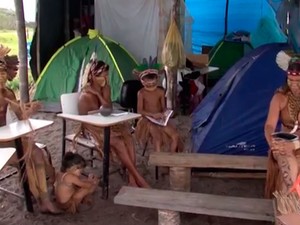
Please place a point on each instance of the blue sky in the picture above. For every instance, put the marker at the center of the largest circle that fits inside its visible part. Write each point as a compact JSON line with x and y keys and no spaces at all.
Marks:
{"x":29,"y":8}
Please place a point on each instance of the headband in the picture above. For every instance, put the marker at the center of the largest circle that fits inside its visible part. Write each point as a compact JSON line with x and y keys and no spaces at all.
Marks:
{"x":147,"y":72}
{"x":94,"y":71}
{"x":147,"y":67}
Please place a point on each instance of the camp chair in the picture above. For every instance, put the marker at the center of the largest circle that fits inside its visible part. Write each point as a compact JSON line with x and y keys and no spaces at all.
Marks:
{"x":128,"y":100}
{"x":69,"y":105}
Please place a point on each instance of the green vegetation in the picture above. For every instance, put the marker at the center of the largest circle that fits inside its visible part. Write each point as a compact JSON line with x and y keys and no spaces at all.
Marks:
{"x":9,"y":38}
{"x":8,"y":20}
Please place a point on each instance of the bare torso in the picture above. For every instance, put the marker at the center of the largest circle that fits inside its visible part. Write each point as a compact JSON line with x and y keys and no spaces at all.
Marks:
{"x":152,"y":100}
{"x":63,"y":189}
{"x":89,"y":99}
{"x":5,"y":93}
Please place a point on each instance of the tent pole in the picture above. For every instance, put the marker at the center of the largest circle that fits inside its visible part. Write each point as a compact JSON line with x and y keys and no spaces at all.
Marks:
{"x":226,"y":18}
{"x":38,"y":39}
{"x":67,"y":21}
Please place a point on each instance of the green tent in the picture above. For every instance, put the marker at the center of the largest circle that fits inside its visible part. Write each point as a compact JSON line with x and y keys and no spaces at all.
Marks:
{"x":61,"y":74}
{"x":224,"y":55}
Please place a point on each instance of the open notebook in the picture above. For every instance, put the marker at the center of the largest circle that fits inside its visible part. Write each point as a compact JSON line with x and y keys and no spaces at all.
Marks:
{"x":118,"y":112}
{"x":163,"y":121}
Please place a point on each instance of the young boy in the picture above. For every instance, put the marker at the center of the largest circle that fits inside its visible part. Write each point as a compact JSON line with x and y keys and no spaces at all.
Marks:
{"x":151,"y":103}
{"x":70,"y":188}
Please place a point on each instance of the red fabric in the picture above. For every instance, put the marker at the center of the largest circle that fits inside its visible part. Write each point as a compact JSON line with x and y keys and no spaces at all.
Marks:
{"x":193,"y":88}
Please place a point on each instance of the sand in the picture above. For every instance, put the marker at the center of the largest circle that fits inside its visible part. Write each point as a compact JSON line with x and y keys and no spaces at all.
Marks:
{"x":104,"y":212}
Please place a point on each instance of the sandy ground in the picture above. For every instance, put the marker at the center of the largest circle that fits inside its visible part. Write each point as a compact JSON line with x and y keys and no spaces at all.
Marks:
{"x":103,"y":212}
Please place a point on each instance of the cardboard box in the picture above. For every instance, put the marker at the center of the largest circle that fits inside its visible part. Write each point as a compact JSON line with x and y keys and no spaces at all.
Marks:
{"x":198,"y":60}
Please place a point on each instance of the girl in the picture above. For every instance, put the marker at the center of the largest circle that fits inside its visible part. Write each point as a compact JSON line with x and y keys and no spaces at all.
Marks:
{"x":71,"y":188}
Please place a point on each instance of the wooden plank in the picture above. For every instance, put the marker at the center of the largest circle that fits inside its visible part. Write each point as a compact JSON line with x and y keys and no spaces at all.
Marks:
{"x":230,"y":175}
{"x":196,"y":160}
{"x":214,"y":205}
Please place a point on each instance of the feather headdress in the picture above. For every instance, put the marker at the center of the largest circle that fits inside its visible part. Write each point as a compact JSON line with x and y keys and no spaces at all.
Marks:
{"x":147,"y":67}
{"x":283,"y":60}
{"x":8,"y":63}
{"x":87,"y":69}
{"x":286,"y":61}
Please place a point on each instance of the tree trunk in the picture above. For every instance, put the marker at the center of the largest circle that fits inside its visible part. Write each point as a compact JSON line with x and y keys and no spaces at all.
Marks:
{"x":23,"y":69}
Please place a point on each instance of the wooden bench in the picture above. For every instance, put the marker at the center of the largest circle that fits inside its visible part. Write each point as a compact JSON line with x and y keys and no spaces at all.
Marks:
{"x":207,"y":204}
{"x":180,"y":165}
{"x":195,"y":160}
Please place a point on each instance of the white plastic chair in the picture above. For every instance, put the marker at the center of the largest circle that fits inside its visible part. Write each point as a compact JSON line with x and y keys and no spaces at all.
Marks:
{"x":69,"y":105}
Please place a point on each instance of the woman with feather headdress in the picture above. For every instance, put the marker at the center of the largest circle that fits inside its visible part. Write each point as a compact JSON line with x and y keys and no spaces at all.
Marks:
{"x":37,"y":165}
{"x":284,"y":157}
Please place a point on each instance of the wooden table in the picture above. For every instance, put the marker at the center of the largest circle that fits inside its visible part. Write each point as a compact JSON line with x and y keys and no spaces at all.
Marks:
{"x":105,"y":122}
{"x":204,"y":72}
{"x":14,"y":132}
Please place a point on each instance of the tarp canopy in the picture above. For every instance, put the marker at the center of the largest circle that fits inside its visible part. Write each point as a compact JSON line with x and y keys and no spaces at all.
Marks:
{"x":210,"y":26}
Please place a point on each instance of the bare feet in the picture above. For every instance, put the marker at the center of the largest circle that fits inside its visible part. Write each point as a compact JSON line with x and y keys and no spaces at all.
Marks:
{"x":87,"y":200}
{"x":46,"y":206}
{"x":142,"y":183}
{"x":132,"y":184}
{"x":131,"y":181}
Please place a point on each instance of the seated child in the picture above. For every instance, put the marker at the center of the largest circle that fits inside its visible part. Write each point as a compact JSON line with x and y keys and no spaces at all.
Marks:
{"x":151,"y":103}
{"x":71,"y":188}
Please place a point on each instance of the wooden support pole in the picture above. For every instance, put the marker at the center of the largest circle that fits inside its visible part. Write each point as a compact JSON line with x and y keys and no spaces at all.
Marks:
{"x":22,"y":47}
{"x":180,"y":180}
{"x":171,"y":93}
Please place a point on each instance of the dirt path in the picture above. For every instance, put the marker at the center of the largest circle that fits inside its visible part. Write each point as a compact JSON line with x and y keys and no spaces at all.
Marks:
{"x":105,"y":212}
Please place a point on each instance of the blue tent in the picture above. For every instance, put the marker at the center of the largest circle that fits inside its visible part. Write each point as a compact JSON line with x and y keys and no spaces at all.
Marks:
{"x":230,"y":119}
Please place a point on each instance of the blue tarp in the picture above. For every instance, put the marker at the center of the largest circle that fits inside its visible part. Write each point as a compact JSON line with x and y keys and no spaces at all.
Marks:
{"x":230,"y":119}
{"x":209,"y":20}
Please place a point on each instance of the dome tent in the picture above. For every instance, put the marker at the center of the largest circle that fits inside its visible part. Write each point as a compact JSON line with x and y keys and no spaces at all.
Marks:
{"x":61,"y":74}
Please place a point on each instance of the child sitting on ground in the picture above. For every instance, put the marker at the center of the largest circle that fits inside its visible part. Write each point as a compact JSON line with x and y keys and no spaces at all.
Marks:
{"x":71,"y":188}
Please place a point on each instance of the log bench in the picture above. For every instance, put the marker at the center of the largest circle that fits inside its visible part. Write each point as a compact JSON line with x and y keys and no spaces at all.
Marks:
{"x":206,"y":204}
